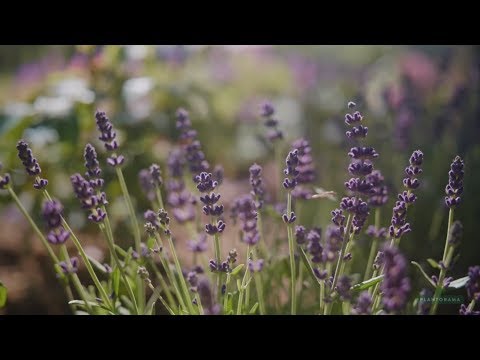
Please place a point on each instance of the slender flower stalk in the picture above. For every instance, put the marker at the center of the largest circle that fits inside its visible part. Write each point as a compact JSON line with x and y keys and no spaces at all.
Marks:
{"x":453,"y":190}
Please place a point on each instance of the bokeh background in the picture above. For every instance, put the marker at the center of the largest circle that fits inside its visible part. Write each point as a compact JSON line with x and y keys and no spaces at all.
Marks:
{"x":412,"y":97}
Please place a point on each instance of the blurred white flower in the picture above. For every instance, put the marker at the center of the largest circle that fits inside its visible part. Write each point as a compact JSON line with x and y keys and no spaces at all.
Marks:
{"x":136,"y":52}
{"x":40,"y":136}
{"x":58,"y":106}
{"x":75,"y":90}
{"x":17,"y":109}
{"x":136,"y":92}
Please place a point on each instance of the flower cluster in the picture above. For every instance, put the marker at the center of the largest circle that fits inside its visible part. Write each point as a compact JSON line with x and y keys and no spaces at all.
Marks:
{"x":256,"y":182}
{"x":149,"y":179}
{"x":399,"y":224}
{"x":88,"y":198}
{"x":193,"y":149}
{"x":267,"y":112}
{"x":245,"y":210}
{"x":207,"y":298}
{"x":52,"y":214}
{"x":70,"y":267}
{"x":363,"y":305}
{"x":454,"y":188}
{"x":206,"y":185}
{"x":4,"y":179}
{"x":312,"y":240}
{"x":395,"y":286}
{"x":108,"y":137}
{"x":31,"y":164}
{"x":305,"y":168}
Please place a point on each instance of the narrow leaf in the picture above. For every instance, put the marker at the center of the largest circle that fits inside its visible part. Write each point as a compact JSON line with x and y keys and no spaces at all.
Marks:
{"x":237,"y":269}
{"x":367,"y":283}
{"x":229,"y":302}
{"x":309,"y":267}
{"x":3,"y":295}
{"x":116,"y":280}
{"x":424,"y":274}
{"x":253,"y":309}
{"x":97,"y":264}
{"x":433,"y":263}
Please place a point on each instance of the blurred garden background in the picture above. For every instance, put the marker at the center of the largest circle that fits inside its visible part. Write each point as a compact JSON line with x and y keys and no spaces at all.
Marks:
{"x":412,"y":97}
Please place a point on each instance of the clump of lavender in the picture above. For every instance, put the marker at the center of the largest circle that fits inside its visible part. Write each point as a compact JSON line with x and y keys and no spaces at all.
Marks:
{"x":290,"y":182}
{"x":395,"y":286}
{"x":423,"y":307}
{"x":88,"y":199}
{"x":379,"y":195}
{"x":399,"y":226}
{"x":343,"y":288}
{"x":255,"y":265}
{"x":199,"y":245}
{"x":473,"y":284}
{"x":4,"y":179}
{"x":267,"y":112}
{"x":108,"y":137}
{"x":31,"y":164}
{"x":52,"y":214}
{"x":454,"y":188}
{"x":146,"y":186}
{"x":71,"y":268}
{"x":305,"y":168}
{"x":193,"y":150}
{"x":363,"y":305}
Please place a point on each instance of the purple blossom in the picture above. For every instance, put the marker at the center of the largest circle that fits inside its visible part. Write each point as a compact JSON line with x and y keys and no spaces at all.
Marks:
{"x":314,"y":247}
{"x":395,"y":286}
{"x":207,"y":299}
{"x":363,"y":305}
{"x":256,"y":182}
{"x":52,"y":215}
{"x":454,"y":188}
{"x":89,"y":200}
{"x":273,"y":133}
{"x":423,"y":307}
{"x":465,"y":311}
{"x":145,"y":181}
{"x":456,"y":233}
{"x":198,"y":245}
{"x":300,"y":234}
{"x":4,"y":180}
{"x":343,"y":287}
{"x":305,"y":168}
{"x":473,"y":284}
{"x":108,"y":137}
{"x":31,"y":164}
{"x":70,"y":268}
{"x":255,"y":266}
{"x":245,"y":210}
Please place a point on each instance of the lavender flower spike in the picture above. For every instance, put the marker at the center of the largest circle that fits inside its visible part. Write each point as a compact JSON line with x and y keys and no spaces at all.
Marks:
{"x":108,"y":137}
{"x":4,"y":179}
{"x":396,"y":285}
{"x":454,"y":188}
{"x":52,"y":214}
{"x":31,"y":164}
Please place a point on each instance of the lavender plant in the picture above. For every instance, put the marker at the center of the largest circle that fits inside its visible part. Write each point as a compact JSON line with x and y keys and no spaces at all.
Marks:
{"x":247,"y":278}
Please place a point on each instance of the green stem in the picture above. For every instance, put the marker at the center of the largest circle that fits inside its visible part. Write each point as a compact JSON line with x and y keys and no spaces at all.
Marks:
{"x":76,"y":280}
{"x":170,"y":311}
{"x":322,"y":295}
{"x":258,"y":285}
{"x":111,"y":246}
{"x":163,"y":284}
{"x":447,"y":254}
{"x":85,"y":259}
{"x":44,"y":241}
{"x":373,"y":248}
{"x":291,"y":247}
{"x":178,"y":267}
{"x":342,"y":252}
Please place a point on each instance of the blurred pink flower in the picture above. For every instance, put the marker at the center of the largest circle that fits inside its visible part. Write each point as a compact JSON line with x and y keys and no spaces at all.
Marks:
{"x":420,"y":69}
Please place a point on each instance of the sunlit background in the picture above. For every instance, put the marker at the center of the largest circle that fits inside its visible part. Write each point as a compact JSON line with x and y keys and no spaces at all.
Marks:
{"x":412,"y":97}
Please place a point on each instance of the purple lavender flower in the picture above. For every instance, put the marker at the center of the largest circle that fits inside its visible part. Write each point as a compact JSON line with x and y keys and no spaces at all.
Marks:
{"x":145,"y":180}
{"x":333,"y":242}
{"x":205,"y":184}
{"x":184,"y":124}
{"x":363,"y":305}
{"x":244,"y":209}
{"x":198,"y":245}
{"x":455,"y":233}
{"x":454,"y":188}
{"x":196,"y":158}
{"x":300,"y":234}
{"x":4,"y":179}
{"x":155,"y":175}
{"x":291,"y":170}
{"x":176,"y":163}
{"x":314,"y":247}
{"x":89,"y":200}
{"x":413,"y":170}
{"x":207,"y":299}
{"x":255,"y":266}
{"x":395,"y":286}
{"x":52,"y":214}
{"x":473,"y":284}
{"x":379,"y":194}
{"x":256,"y":182}
{"x":343,"y":288}
{"x":108,"y":137}
{"x":31,"y":164}
{"x":273,"y":133}
{"x":465,"y":311}
{"x":69,"y":269}
{"x":218,"y":174}
{"x":305,"y":168}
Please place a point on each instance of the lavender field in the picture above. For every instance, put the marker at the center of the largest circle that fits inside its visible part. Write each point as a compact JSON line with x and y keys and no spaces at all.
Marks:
{"x":239,"y":180}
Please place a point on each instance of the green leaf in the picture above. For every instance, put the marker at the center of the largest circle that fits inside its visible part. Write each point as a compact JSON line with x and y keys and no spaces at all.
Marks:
{"x":116,"y":280}
{"x":424,"y":274}
{"x":433,"y":263}
{"x":97,"y":264}
{"x":253,"y":309}
{"x":367,"y":283}
{"x":120,"y":251}
{"x":149,"y":309}
{"x":230,"y":312}
{"x":91,"y":303}
{"x":151,"y":242}
{"x":237,"y":269}
{"x":459,"y":283}
{"x":239,"y":285}
{"x":309,"y":267}
{"x":3,"y":295}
